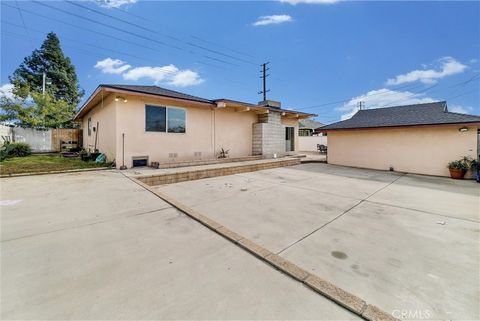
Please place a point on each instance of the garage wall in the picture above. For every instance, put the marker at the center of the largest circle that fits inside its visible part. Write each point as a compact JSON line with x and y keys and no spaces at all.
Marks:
{"x":425,"y":150}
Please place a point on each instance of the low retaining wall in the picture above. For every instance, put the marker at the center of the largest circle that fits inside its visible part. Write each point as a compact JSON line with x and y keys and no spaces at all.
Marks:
{"x":208,"y":161}
{"x":170,"y":178}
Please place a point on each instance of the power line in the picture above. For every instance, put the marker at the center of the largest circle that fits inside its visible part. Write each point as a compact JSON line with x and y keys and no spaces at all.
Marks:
{"x":143,"y":18}
{"x":156,"y":32}
{"x":23,"y":23}
{"x":348,"y":99}
{"x":463,"y":94}
{"x":75,"y":40}
{"x":126,"y":31}
{"x":463,"y":83}
{"x":99,"y":32}
{"x":94,"y":54}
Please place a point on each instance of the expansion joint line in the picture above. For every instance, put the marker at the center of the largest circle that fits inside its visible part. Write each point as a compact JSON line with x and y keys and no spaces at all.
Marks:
{"x":340,"y":215}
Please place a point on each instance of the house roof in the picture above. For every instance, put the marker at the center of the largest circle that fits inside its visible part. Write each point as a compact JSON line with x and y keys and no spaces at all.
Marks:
{"x":435,"y":113}
{"x":309,"y":123}
{"x":153,"y":91}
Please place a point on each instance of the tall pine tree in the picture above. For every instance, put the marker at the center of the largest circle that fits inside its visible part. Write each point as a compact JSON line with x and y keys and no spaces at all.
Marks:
{"x":60,"y":72}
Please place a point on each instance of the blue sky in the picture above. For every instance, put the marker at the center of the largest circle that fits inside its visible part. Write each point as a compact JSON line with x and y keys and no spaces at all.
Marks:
{"x":324,"y":56}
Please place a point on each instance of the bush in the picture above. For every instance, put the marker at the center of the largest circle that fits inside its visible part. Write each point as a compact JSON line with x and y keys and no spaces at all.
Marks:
{"x":20,"y":149}
{"x":14,"y":150}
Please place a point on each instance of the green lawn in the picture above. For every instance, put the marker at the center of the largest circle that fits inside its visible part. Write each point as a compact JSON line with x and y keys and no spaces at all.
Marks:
{"x":44,"y":163}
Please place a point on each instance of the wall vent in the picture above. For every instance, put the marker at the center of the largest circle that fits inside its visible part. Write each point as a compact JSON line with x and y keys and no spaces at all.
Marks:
{"x":172,"y":155}
{"x":139,"y":161}
{"x":197,"y":154}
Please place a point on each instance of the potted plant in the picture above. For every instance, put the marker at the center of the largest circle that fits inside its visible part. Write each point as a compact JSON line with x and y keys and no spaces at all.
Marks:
{"x":459,"y":167}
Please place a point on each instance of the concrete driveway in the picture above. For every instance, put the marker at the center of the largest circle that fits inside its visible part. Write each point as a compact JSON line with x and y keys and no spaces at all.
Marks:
{"x":406,"y":243}
{"x":95,"y":245}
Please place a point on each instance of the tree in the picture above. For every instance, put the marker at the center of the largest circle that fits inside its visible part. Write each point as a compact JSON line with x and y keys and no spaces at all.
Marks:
{"x":60,"y":72}
{"x":37,"y":111}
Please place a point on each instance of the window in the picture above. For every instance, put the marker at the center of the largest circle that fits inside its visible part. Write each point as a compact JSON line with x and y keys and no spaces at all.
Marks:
{"x":176,"y":120}
{"x":155,"y":118}
{"x":89,"y":126}
{"x":164,"y":119}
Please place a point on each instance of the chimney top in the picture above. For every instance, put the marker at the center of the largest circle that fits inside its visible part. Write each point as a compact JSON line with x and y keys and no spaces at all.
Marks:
{"x":270,"y":103}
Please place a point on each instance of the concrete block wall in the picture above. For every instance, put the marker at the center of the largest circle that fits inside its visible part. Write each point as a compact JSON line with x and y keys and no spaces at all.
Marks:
{"x":269,"y":135}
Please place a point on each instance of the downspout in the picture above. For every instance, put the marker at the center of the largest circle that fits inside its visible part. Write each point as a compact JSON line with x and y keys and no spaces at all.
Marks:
{"x":214,"y":132}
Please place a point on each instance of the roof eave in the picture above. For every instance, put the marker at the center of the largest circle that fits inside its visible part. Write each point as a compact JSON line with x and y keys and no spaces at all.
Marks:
{"x":88,"y":105}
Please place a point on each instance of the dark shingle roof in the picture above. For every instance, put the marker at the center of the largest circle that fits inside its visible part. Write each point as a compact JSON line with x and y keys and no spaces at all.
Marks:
{"x":155,"y":90}
{"x":309,"y":123}
{"x":411,"y":115}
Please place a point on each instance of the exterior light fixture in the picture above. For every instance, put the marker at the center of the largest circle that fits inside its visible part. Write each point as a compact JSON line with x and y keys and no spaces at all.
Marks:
{"x":463,"y":129}
{"x":118,"y":98}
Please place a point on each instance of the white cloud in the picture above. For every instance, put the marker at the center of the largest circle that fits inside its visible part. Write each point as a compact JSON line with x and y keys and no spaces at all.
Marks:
{"x":460,"y":109}
{"x":6,"y":91}
{"x":168,"y":74}
{"x":114,"y":3}
{"x":294,"y":2}
{"x":185,"y":78}
{"x":382,"y":98}
{"x":274,"y":19}
{"x":446,"y":66}
{"x":112,"y":66}
{"x":157,"y":74}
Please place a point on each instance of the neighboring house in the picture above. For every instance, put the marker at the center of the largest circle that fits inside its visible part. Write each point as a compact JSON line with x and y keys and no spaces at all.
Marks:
{"x":306,"y":127}
{"x":310,"y":138}
{"x":420,"y":138}
{"x":141,"y":124}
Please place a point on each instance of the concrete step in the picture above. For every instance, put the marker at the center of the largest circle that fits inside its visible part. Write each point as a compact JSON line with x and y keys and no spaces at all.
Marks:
{"x":176,"y":175}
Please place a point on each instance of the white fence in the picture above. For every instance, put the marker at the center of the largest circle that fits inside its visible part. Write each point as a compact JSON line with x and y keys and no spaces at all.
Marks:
{"x":39,"y":140}
{"x":309,"y":143}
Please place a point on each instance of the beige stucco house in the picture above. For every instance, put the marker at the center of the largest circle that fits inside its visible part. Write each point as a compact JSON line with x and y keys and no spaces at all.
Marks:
{"x":141,"y":124}
{"x":420,"y":138}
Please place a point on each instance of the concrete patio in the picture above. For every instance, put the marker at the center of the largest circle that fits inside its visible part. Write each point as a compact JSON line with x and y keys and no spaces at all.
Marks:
{"x":95,"y":245}
{"x":406,"y":243}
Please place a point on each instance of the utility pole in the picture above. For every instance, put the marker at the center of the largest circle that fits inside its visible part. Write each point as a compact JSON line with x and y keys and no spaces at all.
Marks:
{"x":360,"y":105}
{"x":264,"y":77}
{"x":43,"y":84}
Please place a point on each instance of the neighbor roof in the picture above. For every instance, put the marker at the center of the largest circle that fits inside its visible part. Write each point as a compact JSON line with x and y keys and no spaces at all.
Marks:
{"x":309,"y":123}
{"x":435,"y":113}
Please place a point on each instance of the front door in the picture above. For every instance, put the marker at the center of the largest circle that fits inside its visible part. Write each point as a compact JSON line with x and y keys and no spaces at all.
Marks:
{"x":289,"y":139}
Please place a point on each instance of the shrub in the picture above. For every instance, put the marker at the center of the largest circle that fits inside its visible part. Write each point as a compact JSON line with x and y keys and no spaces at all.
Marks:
{"x":14,"y":150}
{"x":20,"y":149}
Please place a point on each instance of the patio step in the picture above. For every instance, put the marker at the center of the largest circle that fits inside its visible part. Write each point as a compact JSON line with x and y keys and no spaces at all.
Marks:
{"x":198,"y":172}
{"x":208,"y":161}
